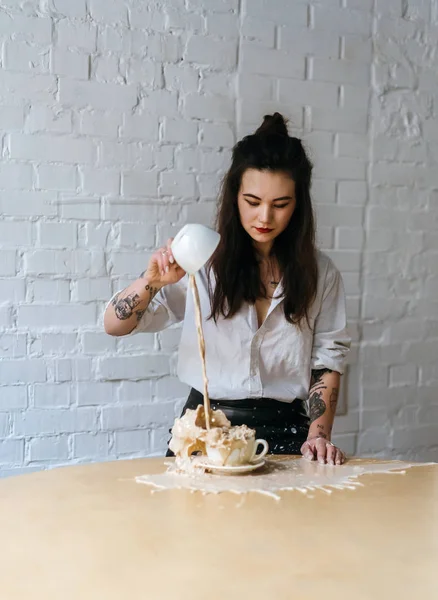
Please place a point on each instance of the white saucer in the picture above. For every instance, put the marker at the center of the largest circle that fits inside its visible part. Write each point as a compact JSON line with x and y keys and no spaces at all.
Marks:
{"x":231,"y":470}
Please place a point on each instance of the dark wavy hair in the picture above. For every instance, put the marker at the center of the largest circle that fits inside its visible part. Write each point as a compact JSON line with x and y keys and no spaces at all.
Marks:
{"x":235,"y":262}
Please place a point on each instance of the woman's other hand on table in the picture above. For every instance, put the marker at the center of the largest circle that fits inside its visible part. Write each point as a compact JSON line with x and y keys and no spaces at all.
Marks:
{"x":322,"y":450}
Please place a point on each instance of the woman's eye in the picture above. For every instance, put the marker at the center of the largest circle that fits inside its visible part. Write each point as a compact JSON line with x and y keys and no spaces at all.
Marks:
{"x":252,"y":203}
{"x":281,"y":206}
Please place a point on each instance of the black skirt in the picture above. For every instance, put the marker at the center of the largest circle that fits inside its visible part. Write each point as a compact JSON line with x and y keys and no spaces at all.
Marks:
{"x":284,"y":425}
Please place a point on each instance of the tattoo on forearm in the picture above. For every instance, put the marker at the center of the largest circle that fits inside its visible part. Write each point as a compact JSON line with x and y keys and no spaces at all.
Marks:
{"x":124,"y":308}
{"x":142,"y":275}
{"x":317,"y":375}
{"x":139,"y":314}
{"x":316,"y":406}
{"x":321,"y":432}
{"x":334,"y":399}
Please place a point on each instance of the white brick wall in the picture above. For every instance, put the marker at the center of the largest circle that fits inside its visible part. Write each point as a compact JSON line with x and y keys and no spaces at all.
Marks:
{"x":117,"y":119}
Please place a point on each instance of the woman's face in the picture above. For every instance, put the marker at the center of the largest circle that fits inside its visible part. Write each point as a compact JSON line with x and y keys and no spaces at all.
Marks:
{"x":266,"y":202}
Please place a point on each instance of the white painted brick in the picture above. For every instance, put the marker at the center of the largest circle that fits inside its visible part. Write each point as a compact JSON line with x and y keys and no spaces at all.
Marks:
{"x":374,"y":440}
{"x":134,"y":344}
{"x":338,"y":216}
{"x":177,"y":184}
{"x":165,"y":48}
{"x":339,"y":71}
{"x":92,"y":393}
{"x":308,"y":93}
{"x":307,"y":42}
{"x":217,"y":108}
{"x":281,"y":13}
{"x":25,"y":57}
{"x":403,"y":375}
{"x":256,"y":86}
{"x":48,"y":448}
{"x":11,"y":290}
{"x":359,"y":48}
{"x":159,"y":441}
{"x":176,"y":130}
{"x":56,"y":177}
{"x":13,"y":398}
{"x":15,"y":176}
{"x":366,"y":5}
{"x":38,"y":88}
{"x":58,"y":343}
{"x":100,"y":124}
{"x":201,"y":212}
{"x":339,"y":120}
{"x":140,"y":126}
{"x":325,"y":237}
{"x":353,"y":145}
{"x":11,"y":451}
{"x":139,"y":183}
{"x":352,"y":192}
{"x":66,"y":8}
{"x":213,"y":5}
{"x":109,"y":11}
{"x":5,"y":316}
{"x":51,"y":148}
{"x":8,"y":265}
{"x":103,"y":96}
{"x":57,"y":235}
{"x":80,"y":208}
{"x":348,"y":443}
{"x":135,"y":391}
{"x":11,"y":118}
{"x":106,"y":68}
{"x":345,"y":260}
{"x":4,"y":424}
{"x":27,"y":204}
{"x":169,"y":389}
{"x":349,"y":238}
{"x":99,"y":181}
{"x":340,"y":168}
{"x":69,"y":64}
{"x":49,"y":290}
{"x":259,"y":31}
{"x":342,"y":20}
{"x":405,"y":439}
{"x":97,"y":343}
{"x":73,"y":34}
{"x":215,"y":136}
{"x":355,"y":97}
{"x":95,"y":235}
{"x":178,"y":18}
{"x":91,"y":445}
{"x":125,"y":154}
{"x":146,"y":72}
{"x":389,"y":7}
{"x":188,"y":159}
{"x":43,"y":119}
{"x":323,"y":191}
{"x":136,"y":417}
{"x":56,"y":421}
{"x":142,"y":236}
{"x":144,"y":16}
{"x":67,"y":369}
{"x":64,"y":316}
{"x":32,"y":29}
{"x":223,"y":25}
{"x":89,"y":290}
{"x":214,"y":53}
{"x":212,"y":82}
{"x":271,"y":62}
{"x":129,"y":263}
{"x":132,"y":367}
{"x":22,"y":371}
{"x":181,"y":78}
{"x":129,"y":442}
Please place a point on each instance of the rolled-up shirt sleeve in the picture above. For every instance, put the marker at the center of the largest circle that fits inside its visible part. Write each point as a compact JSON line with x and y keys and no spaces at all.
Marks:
{"x":331,"y":340}
{"x":164,"y":310}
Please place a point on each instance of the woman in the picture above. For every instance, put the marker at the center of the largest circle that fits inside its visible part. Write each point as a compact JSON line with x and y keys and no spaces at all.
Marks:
{"x":273,"y":306}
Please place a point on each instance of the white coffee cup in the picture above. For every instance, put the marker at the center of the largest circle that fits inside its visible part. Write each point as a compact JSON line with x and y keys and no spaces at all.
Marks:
{"x":243,"y":455}
{"x":193,"y":245}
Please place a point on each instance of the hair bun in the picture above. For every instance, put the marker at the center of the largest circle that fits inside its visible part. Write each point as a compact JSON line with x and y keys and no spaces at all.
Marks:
{"x":273,"y":124}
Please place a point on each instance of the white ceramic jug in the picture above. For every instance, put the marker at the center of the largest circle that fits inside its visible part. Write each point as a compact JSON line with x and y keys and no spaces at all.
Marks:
{"x":193,"y":246}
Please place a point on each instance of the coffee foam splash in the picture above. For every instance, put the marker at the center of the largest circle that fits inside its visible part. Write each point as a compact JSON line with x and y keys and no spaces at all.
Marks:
{"x":278,"y":475}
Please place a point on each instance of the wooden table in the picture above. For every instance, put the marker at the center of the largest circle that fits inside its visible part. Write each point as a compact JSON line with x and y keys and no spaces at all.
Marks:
{"x":92,"y":533}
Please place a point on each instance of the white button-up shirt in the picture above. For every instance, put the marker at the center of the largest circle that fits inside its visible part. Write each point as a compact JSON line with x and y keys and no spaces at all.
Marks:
{"x":246,"y":361}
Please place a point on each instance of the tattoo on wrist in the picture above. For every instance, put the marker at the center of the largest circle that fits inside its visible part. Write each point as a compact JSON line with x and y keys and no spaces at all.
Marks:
{"x":124,"y":308}
{"x":316,"y":406}
{"x":152,"y":291}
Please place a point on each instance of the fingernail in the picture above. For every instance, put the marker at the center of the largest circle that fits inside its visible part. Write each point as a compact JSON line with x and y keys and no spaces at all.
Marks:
{"x":331,"y":462}
{"x":162,"y":273}
{"x":321,"y":461}
{"x":167,"y":269}
{"x":171,"y":259}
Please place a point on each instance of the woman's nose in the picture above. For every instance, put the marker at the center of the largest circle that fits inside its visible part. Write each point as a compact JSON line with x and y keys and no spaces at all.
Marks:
{"x":265,"y":215}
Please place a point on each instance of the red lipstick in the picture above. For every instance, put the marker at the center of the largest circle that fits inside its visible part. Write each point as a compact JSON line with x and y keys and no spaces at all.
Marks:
{"x":262,"y":230}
